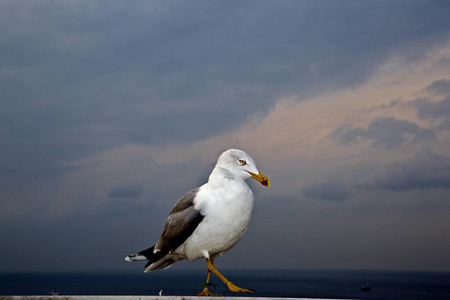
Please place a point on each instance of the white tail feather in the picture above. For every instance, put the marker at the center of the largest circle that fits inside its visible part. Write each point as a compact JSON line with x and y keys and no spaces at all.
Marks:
{"x":135,"y":257}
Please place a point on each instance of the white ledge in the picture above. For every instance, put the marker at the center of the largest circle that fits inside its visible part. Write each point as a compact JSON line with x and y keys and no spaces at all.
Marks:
{"x":144,"y":298}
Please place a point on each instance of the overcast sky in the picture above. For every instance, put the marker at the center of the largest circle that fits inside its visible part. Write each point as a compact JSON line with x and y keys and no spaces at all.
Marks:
{"x":111,"y":111}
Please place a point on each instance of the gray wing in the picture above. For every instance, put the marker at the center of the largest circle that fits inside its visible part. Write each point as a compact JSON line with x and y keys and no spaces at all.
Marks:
{"x":181,"y":223}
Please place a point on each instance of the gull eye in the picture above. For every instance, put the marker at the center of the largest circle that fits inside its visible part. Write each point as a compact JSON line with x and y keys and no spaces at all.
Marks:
{"x":242,"y":162}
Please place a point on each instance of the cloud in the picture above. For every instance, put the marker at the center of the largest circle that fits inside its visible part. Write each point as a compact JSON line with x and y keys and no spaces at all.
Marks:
{"x":392,"y":104}
{"x":328,"y":191}
{"x":386,"y":133}
{"x":346,"y":134}
{"x":426,"y":170}
{"x":441,"y":86}
{"x":112,"y":112}
{"x":92,"y":77}
{"x":434,"y":110}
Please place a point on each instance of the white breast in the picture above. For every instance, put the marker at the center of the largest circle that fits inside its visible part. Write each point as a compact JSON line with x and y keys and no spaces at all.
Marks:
{"x":227,"y":209}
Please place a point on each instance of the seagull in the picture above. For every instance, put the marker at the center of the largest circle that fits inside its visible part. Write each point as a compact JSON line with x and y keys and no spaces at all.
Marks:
{"x":208,"y":220}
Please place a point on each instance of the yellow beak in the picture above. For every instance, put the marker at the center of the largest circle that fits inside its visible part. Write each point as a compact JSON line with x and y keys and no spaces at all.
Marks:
{"x":261,"y":178}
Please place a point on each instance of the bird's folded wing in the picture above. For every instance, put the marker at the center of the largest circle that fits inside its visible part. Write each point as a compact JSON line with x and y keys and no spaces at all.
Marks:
{"x":181,"y":223}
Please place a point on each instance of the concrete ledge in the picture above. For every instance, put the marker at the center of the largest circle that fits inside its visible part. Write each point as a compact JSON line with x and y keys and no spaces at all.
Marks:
{"x":140,"y":298}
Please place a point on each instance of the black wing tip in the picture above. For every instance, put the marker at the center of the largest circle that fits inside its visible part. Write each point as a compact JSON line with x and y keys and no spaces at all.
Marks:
{"x":148,"y":252}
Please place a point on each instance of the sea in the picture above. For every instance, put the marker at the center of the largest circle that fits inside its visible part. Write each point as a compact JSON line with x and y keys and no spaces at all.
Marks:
{"x":266,"y":283}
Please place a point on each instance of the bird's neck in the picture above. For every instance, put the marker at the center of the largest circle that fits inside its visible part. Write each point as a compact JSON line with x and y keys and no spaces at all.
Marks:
{"x":220,"y":176}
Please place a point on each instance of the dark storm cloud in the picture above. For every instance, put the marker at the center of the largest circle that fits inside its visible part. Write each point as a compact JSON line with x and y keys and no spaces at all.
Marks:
{"x":82,"y":77}
{"x":439,"y":87}
{"x":386,"y":133}
{"x":426,"y":170}
{"x":328,"y":190}
{"x":436,"y":110}
{"x":347,"y":134}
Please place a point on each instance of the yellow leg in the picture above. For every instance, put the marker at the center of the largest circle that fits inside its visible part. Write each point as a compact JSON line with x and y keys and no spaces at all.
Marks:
{"x":231,"y":286}
{"x":206,"y":291}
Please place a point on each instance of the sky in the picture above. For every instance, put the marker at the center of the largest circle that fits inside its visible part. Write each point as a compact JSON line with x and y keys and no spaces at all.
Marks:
{"x":111,"y":111}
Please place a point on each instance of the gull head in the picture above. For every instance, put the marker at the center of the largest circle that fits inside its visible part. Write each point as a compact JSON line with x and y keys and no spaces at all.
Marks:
{"x":241,"y":165}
